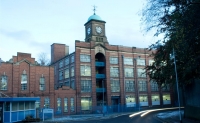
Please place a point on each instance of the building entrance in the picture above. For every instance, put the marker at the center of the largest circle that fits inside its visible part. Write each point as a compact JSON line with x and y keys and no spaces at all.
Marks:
{"x":115,"y":104}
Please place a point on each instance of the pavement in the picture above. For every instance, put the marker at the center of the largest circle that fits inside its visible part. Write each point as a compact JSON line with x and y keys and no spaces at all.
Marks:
{"x":164,"y":117}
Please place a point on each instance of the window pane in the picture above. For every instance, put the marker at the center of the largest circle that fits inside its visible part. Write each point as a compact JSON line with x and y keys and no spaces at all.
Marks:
{"x":142,"y":85}
{"x":85,"y":70}
{"x":46,"y":102}
{"x":115,"y":87}
{"x":3,"y":83}
{"x":72,"y":105}
{"x":113,"y":60}
{"x":143,"y":98}
{"x":14,"y":106}
{"x":7,"y":106}
{"x":129,"y":86}
{"x":85,"y":85}
{"x":67,"y":73}
{"x":67,"y":61}
{"x":141,"y":62}
{"x":65,"y":105}
{"x":128,"y":72}
{"x":84,"y":58}
{"x":141,"y":73}
{"x":58,"y":104}
{"x":72,"y":58}
{"x":72,"y":71}
{"x":72,"y":84}
{"x":60,"y":75}
{"x":114,"y":72}
{"x":128,"y":61}
{"x":60,"y":64}
{"x":21,"y":105}
{"x":86,"y":103}
{"x":154,"y":86}
{"x":27,"y":105}
{"x":42,"y":83}
{"x":37,"y":104}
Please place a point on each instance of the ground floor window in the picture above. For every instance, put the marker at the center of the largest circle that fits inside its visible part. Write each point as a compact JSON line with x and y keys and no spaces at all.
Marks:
{"x":58,"y":104}
{"x":46,"y":102}
{"x":143,"y":98}
{"x":86,"y":103}
{"x":155,"y":98}
{"x":130,"y":101}
{"x":72,"y":105}
{"x":166,"y":97}
{"x":65,"y":105}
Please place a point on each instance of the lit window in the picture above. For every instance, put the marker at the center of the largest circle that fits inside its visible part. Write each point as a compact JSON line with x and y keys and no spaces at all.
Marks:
{"x":46,"y":102}
{"x":114,"y":72}
{"x":143,"y":98}
{"x":37,"y":104}
{"x":84,"y":58}
{"x":128,"y":61}
{"x":72,"y":105}
{"x":4,"y":82}
{"x":42,"y":83}
{"x":142,"y":85}
{"x":128,"y":72}
{"x":115,"y":87}
{"x":141,"y":62}
{"x":113,"y":60}
{"x":130,"y":99}
{"x":85,"y":85}
{"x":65,"y":105}
{"x":86,"y":103}
{"x":58,"y":104}
{"x":85,"y":70}
{"x":129,"y":86}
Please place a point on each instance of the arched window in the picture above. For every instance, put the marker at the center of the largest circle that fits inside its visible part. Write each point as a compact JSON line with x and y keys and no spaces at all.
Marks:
{"x":3,"y":82}
{"x":24,"y":81}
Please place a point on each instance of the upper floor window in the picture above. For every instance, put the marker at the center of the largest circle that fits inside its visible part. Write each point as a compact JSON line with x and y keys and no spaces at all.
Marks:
{"x":86,"y":85}
{"x":84,"y":58}
{"x":113,"y":60}
{"x":128,"y":61}
{"x":114,"y":72}
{"x":72,"y":71}
{"x":60,"y":75}
{"x":72,"y":58}
{"x":67,"y":61}
{"x":151,"y":62}
{"x":115,"y":87}
{"x":142,"y":85}
{"x":3,"y":82}
{"x":72,"y":84}
{"x":141,"y":62}
{"x":129,"y":85}
{"x":165,"y":87}
{"x":67,"y":82}
{"x":154,"y":86}
{"x":67,"y":73}
{"x":141,"y":73}
{"x":60,"y":64}
{"x":42,"y":83}
{"x":85,"y":70}
{"x":128,"y":72}
{"x":24,"y":81}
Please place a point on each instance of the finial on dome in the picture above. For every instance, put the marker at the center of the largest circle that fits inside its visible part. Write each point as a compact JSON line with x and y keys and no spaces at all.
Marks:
{"x":94,"y":9}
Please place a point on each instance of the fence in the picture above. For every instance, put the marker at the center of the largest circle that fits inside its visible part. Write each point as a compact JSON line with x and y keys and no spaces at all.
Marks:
{"x":89,"y":110}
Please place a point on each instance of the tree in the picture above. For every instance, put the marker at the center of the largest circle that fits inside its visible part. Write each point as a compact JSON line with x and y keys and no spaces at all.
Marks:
{"x":43,"y":60}
{"x":179,"y":21}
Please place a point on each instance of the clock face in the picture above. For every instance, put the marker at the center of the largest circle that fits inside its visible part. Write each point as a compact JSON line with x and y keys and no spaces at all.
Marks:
{"x":98,"y":29}
{"x":88,"y":31}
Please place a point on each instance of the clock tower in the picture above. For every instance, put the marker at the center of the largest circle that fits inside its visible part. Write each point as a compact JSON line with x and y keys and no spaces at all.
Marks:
{"x":95,"y":29}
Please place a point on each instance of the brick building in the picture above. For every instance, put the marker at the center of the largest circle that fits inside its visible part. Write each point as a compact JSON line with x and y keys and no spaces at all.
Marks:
{"x":104,"y":74}
{"x":96,"y":74}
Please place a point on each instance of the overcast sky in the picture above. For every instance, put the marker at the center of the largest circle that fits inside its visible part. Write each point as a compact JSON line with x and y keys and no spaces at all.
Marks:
{"x":31,"y":26}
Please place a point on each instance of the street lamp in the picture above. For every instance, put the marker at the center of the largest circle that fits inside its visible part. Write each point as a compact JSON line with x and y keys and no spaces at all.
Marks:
{"x":137,"y":82}
{"x":173,"y":57}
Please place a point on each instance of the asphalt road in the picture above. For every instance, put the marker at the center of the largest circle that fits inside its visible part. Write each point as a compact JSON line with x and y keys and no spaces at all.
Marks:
{"x":149,"y":118}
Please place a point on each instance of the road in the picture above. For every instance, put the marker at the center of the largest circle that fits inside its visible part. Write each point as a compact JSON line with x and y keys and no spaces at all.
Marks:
{"x":149,"y":118}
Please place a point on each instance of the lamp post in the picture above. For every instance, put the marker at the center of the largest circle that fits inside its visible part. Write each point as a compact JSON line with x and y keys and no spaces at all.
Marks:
{"x":177,"y":85}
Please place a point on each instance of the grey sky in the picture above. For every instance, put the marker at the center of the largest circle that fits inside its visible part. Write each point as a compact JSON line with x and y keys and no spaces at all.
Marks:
{"x":31,"y":26}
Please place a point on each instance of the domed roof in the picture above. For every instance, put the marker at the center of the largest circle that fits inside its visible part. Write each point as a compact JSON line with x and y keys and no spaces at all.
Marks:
{"x":94,"y":17}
